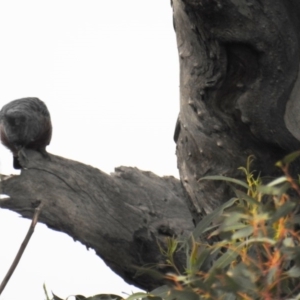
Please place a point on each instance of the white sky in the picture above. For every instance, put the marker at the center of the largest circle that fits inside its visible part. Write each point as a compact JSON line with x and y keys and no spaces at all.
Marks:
{"x":108,"y":72}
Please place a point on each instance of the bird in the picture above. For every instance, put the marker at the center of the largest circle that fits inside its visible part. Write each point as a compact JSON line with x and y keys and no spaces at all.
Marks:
{"x":25,"y":124}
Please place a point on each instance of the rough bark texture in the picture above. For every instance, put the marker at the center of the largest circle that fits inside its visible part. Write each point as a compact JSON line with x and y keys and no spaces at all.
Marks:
{"x":239,"y":91}
{"x":123,"y":216}
{"x":239,"y":63}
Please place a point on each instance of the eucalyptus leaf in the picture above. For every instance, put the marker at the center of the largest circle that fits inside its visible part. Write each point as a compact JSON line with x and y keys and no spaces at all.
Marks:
{"x":204,"y":252}
{"x":227,"y":179}
{"x":277,"y":181}
{"x":139,"y":295}
{"x":291,"y":253}
{"x":242,"y":233}
{"x":289,"y":242}
{"x":229,"y":284}
{"x":150,"y":271}
{"x":244,"y":196}
{"x":198,"y":282}
{"x":161,"y":291}
{"x":244,"y":275}
{"x":271,"y":276}
{"x":207,"y":220}
{"x":232,"y":227}
{"x":225,"y":259}
{"x":258,"y":240}
{"x":294,"y":272}
{"x":283,"y":211}
{"x":272,"y":190}
{"x":289,"y":158}
{"x":232,"y":218}
{"x":195,"y":261}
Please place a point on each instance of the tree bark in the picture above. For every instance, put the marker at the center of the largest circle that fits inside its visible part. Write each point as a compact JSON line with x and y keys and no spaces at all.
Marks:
{"x":123,"y":216}
{"x":239,"y":91}
{"x":239,"y":63}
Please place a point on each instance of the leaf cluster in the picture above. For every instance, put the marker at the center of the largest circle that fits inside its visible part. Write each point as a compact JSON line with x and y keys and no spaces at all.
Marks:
{"x":246,"y":249}
{"x":95,"y":297}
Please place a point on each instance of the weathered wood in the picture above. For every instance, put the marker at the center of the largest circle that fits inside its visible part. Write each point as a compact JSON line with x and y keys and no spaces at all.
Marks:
{"x":239,"y":61}
{"x":122,"y":216}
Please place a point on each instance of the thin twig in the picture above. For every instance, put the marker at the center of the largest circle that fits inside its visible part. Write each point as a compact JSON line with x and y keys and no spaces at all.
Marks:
{"x":46,"y":292}
{"x":22,"y":248}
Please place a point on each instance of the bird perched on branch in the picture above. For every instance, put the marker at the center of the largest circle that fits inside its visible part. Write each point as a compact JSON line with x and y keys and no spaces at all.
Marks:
{"x":25,"y":123}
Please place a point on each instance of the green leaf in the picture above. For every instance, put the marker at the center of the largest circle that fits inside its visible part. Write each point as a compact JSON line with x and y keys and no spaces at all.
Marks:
{"x":289,"y":242}
{"x":272,"y":190}
{"x":227,"y":179}
{"x":291,"y":253}
{"x":282,"y":211}
{"x":258,"y":240}
{"x":202,"y":255}
{"x":205,"y":222}
{"x":271,"y":276}
{"x":242,"y":275}
{"x":137,"y":296}
{"x":149,"y":271}
{"x":247,"y":198}
{"x":197,"y":282}
{"x":294,"y":272}
{"x":288,"y":159}
{"x":227,"y":258}
{"x":229,"y":284}
{"x":277,"y":181}
{"x":231,"y":218}
{"x":229,"y":227}
{"x":161,"y":291}
{"x":242,"y":233}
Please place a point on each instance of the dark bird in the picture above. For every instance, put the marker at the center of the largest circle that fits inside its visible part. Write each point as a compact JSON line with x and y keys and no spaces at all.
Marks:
{"x":25,"y":123}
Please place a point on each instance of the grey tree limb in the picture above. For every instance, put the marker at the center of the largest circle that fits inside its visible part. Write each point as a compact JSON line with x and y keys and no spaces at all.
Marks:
{"x":122,"y":216}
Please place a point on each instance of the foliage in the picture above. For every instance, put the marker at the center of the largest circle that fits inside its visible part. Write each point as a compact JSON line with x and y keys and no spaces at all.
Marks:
{"x":246,"y":249}
{"x":96,"y":297}
{"x":80,"y":297}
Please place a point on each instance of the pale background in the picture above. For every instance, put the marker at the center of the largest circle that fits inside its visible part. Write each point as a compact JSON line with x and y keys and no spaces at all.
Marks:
{"x":108,"y":72}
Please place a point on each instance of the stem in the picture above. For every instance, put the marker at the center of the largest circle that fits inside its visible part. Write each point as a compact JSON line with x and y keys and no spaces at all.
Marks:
{"x":22,"y":248}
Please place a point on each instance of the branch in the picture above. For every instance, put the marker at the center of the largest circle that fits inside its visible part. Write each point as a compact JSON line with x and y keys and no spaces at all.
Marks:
{"x":238,"y":75}
{"x":24,"y":244}
{"x":121,"y":216}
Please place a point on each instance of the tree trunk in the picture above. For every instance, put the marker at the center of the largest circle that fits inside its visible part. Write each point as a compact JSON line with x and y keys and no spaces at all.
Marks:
{"x":239,"y":62}
{"x":239,"y":89}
